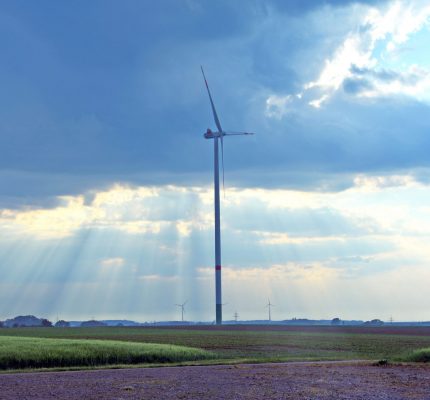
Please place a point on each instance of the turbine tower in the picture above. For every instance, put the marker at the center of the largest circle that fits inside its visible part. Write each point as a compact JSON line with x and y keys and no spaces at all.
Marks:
{"x":182,"y":308}
{"x":219,"y":135}
{"x":270,"y":305}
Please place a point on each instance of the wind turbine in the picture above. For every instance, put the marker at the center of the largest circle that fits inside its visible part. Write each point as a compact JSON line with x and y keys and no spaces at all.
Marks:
{"x":182,"y":308}
{"x":218,"y":135}
{"x":270,"y":305}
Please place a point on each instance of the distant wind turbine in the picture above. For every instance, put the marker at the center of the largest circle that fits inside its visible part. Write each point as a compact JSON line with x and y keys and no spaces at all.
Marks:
{"x":182,"y":308}
{"x":218,"y":135}
{"x":270,"y":305}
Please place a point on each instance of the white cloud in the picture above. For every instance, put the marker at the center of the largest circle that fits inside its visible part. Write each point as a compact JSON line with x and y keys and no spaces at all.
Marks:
{"x":274,"y":273}
{"x":158,"y":278}
{"x":274,"y":238}
{"x":355,"y":51}
{"x":415,"y":82}
{"x":402,"y":19}
{"x":317,"y":103}
{"x":277,"y":106}
{"x":388,"y":27}
{"x":372,"y":183}
{"x":113,"y":262}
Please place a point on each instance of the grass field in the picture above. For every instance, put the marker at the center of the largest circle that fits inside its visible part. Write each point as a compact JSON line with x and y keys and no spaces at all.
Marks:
{"x":29,"y":352}
{"x":251,"y":345}
{"x":420,"y":355}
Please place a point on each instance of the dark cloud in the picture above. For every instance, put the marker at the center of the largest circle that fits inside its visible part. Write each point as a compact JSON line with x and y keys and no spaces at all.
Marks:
{"x":297,"y":7}
{"x":88,"y":100}
{"x":386,"y":75}
{"x":355,"y":86}
{"x":348,"y":136}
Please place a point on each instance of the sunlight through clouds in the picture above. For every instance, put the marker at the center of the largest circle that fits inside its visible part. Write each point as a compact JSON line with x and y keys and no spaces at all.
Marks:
{"x":306,"y":242}
{"x":394,"y":26}
{"x":360,"y":65}
{"x":57,"y":222}
{"x":132,"y":210}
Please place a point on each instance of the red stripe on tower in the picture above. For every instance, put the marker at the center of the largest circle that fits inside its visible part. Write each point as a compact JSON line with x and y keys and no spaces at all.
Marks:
{"x":217,"y":267}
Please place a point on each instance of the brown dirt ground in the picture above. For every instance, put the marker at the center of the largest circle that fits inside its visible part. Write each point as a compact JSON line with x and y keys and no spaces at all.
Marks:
{"x":360,"y":329}
{"x":307,"y":380}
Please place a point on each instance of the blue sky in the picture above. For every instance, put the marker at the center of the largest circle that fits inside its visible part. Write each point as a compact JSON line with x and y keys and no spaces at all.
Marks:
{"x":106,"y":202}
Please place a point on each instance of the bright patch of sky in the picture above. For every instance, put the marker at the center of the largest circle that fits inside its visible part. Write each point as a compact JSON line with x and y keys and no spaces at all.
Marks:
{"x":106,"y":203}
{"x":303,"y":247}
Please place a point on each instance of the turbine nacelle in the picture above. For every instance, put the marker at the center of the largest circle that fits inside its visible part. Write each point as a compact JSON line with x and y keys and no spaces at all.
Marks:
{"x":212,"y":135}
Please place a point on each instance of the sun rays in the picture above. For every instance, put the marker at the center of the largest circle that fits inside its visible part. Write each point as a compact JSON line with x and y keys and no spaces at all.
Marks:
{"x":137,"y":250}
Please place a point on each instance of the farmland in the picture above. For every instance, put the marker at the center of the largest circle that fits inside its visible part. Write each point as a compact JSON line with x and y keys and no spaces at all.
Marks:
{"x":226,"y":344}
{"x":29,"y":352}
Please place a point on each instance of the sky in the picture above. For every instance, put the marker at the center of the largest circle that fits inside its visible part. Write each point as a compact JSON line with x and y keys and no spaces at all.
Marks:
{"x":106,"y":181}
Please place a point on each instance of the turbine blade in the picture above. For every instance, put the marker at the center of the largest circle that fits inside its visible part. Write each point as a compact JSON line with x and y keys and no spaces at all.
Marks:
{"x":238,"y":133}
{"x":217,"y":123}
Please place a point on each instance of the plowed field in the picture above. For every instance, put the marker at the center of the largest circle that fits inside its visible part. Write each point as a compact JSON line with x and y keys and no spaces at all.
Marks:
{"x":322,"y":381}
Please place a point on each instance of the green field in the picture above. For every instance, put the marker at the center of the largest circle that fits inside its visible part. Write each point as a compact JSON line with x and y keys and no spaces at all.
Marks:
{"x":420,"y":355}
{"x":29,"y":352}
{"x":226,"y":345}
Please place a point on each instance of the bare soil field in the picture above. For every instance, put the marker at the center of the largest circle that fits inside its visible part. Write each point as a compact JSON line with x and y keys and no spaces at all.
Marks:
{"x":305,"y":380}
{"x":359,"y":329}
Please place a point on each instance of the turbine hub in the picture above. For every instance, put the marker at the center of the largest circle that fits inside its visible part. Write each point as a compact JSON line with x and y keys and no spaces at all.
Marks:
{"x":211,"y":135}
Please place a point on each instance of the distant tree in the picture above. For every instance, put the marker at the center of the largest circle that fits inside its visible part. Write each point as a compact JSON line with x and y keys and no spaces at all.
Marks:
{"x":336,"y":321}
{"x":374,"y":322}
{"x":92,"y":323}
{"x":62,"y":324}
{"x":46,"y":322}
{"x":1,"y":324}
{"x":23,"y":320}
